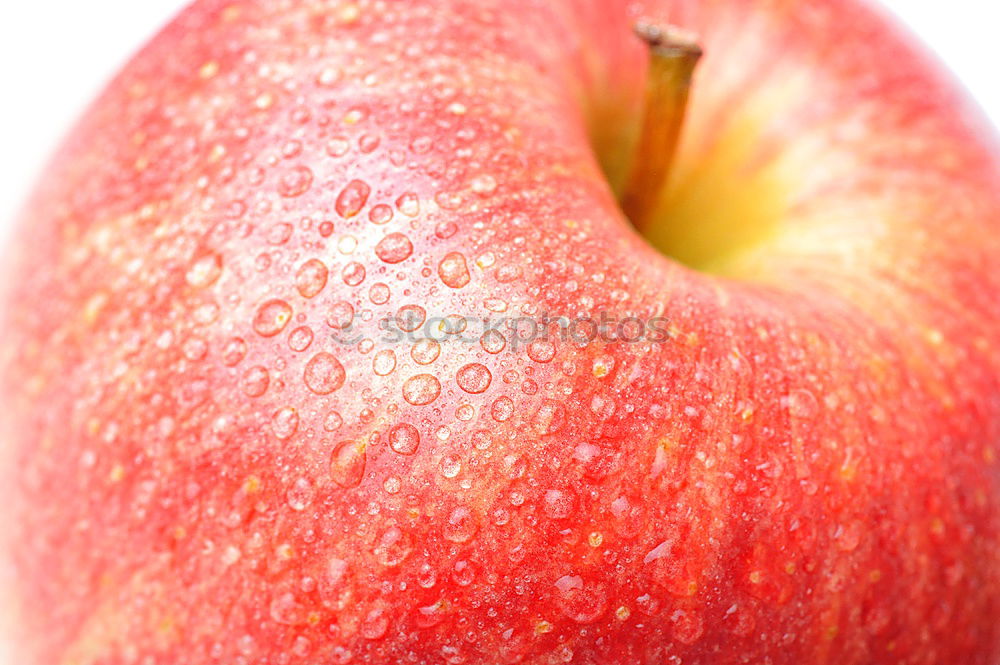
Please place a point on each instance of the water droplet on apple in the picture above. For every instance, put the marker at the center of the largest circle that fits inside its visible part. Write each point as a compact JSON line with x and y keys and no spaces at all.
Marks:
{"x":802,"y":404}
{"x":453,"y":324}
{"x":347,"y":464}
{"x":848,"y":537}
{"x":379,"y":293}
{"x":426,"y":576}
{"x":333,"y":421}
{"x":392,"y":485}
{"x":602,"y":406}
{"x":451,"y":466}
{"x":255,"y":381}
{"x":394,"y":248}
{"x":375,"y":624}
{"x":648,"y":604}
{"x":393,"y":547}
{"x":453,"y":270}
{"x":340,"y":315}
{"x":384,"y":362}
{"x":629,"y":516}
{"x":311,"y":278}
{"x":300,"y":338}
{"x":446,"y":229}
{"x":352,"y":199}
{"x":272,"y":317}
{"x":295,"y":182}
{"x":449,"y":200}
{"x":206,"y":313}
{"x":324,"y":374}
{"x":285,"y":422}
{"x":234,"y":351}
{"x":380,"y":214}
{"x":300,"y":495}
{"x":877,"y":619}
{"x":541,"y":350}
{"x":410,"y":317}
{"x":688,"y":626}
{"x":194,"y":348}
{"x":408,"y":204}
{"x":558,"y":504}
{"x":431,"y":615}
{"x":338,"y":146}
{"x":425,"y":351}
{"x":550,"y":417}
{"x":368,"y":143}
{"x":503,"y":409}
{"x":353,"y":273}
{"x":286,"y":610}
{"x":474,"y":378}
{"x":498,"y":305}
{"x":482,"y":439}
{"x":280,"y":233}
{"x":580,"y":602}
{"x":463,"y":573}
{"x":484,"y":185}
{"x":404,"y":439}
{"x":461,"y":525}
{"x":493,"y":341}
{"x":291,"y":149}
{"x":246,"y":645}
{"x":421,"y":389}
{"x":204,"y":271}
{"x":301,"y":646}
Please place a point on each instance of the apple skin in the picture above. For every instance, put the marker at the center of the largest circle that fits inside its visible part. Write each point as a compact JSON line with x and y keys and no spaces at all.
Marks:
{"x":804,"y":470}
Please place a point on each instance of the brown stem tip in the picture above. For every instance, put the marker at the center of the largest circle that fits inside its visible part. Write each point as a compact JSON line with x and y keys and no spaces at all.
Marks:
{"x":669,"y":40}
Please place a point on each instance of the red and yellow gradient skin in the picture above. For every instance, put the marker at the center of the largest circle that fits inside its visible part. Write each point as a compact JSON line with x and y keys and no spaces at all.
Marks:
{"x":802,"y":470}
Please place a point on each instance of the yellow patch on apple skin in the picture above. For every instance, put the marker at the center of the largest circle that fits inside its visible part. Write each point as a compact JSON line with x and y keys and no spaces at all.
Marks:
{"x":208,"y":70}
{"x":714,"y":210}
{"x":731,"y":187}
{"x":231,"y":13}
{"x":543,"y":627}
{"x":93,"y":307}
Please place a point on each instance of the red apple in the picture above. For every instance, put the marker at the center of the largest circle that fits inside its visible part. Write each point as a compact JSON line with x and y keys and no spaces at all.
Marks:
{"x":255,"y":414}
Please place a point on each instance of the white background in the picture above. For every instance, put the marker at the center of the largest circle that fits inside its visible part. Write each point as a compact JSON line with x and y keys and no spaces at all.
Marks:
{"x":56,"y":54}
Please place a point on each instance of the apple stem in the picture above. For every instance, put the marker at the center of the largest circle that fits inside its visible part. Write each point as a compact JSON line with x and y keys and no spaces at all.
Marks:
{"x":673,"y":57}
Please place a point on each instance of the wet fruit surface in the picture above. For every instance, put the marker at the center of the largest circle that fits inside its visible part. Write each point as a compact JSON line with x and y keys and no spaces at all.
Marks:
{"x":329,"y":344}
